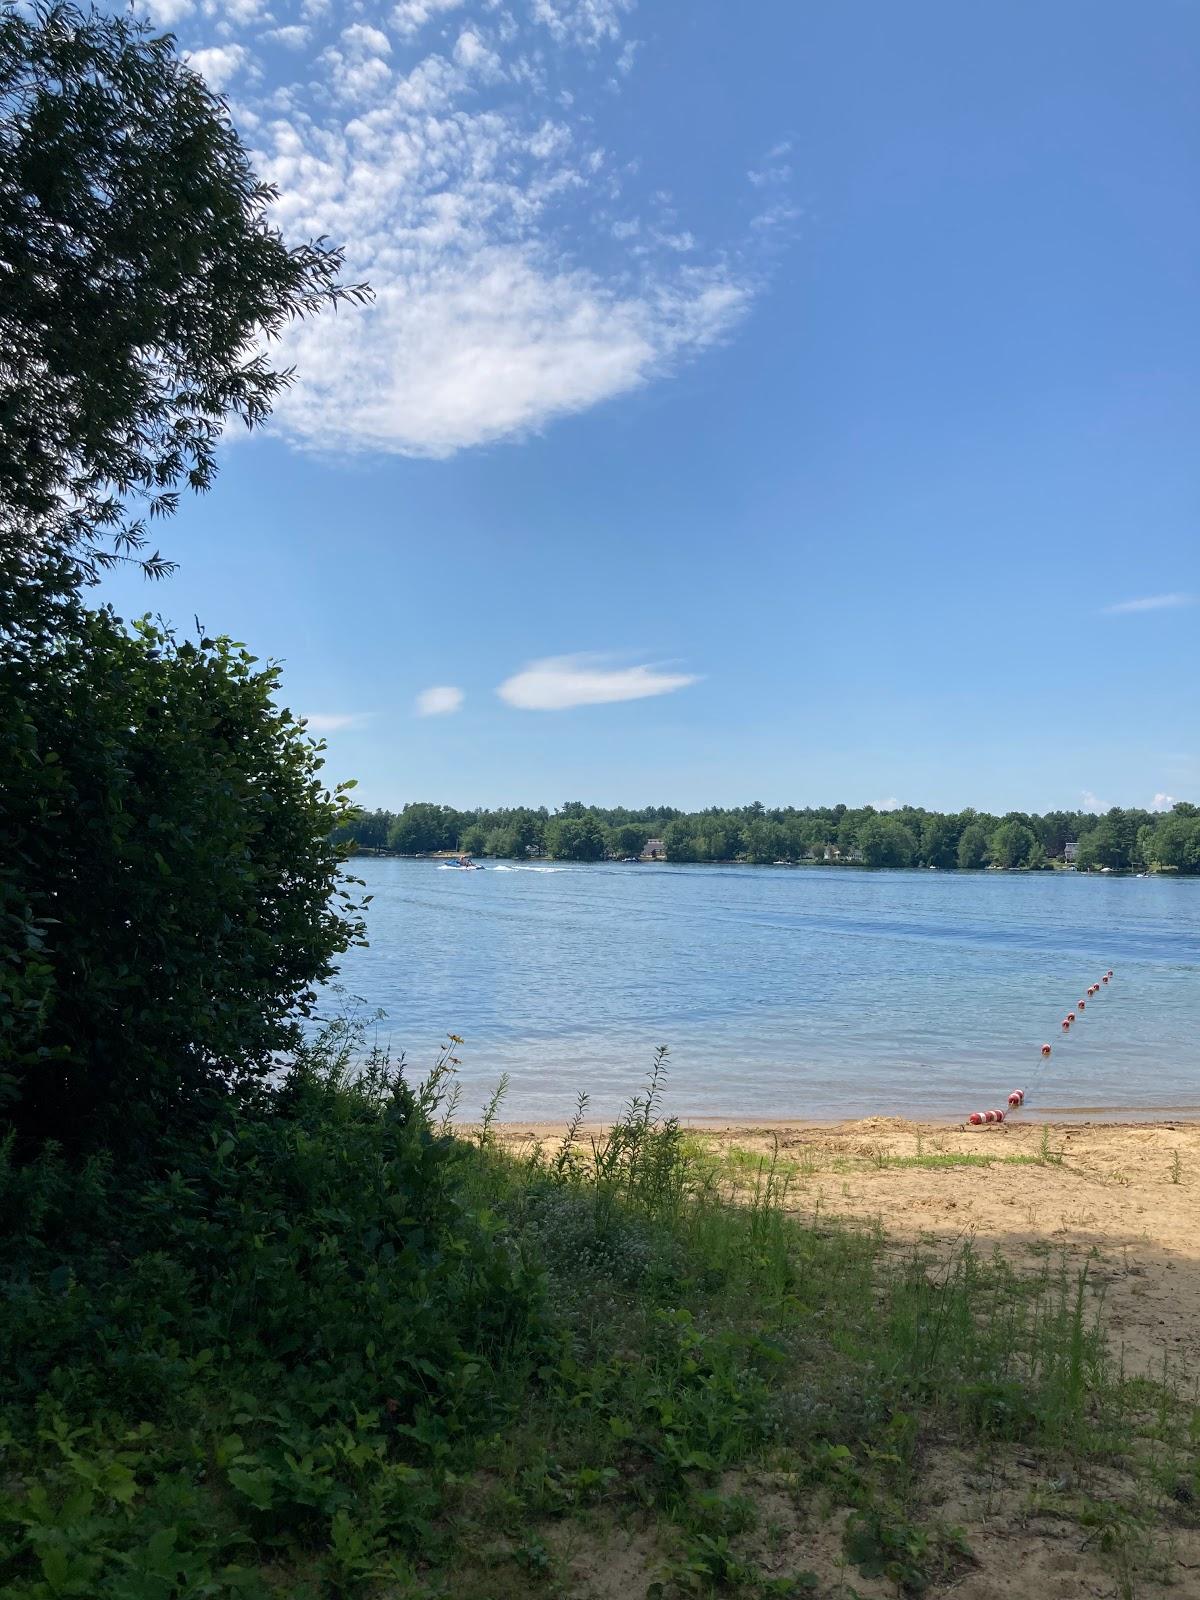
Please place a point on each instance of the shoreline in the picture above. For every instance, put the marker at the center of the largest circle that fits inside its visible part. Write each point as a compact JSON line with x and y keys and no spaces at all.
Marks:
{"x":1073,"y":1117}
{"x":1119,"y":1198}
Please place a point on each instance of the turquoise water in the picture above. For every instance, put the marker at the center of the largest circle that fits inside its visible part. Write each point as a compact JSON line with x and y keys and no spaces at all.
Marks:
{"x":788,"y":992}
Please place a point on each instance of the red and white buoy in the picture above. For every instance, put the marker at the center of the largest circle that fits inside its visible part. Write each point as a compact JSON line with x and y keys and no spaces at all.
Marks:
{"x":1045,"y":1051}
{"x":1066,"y":1024}
{"x":1081,"y":1005}
{"x":1016,"y":1098}
{"x":975,"y":1118}
{"x":1070,"y":1016}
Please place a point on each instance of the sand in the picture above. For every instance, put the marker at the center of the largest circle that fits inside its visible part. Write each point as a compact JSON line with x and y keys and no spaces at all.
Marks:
{"x":1124,"y":1197}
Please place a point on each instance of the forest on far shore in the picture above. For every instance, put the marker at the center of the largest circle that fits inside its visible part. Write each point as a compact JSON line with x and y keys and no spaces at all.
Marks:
{"x":1122,"y":839}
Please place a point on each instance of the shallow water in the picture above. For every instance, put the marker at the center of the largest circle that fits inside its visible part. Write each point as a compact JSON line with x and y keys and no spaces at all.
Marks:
{"x":806,"y":992}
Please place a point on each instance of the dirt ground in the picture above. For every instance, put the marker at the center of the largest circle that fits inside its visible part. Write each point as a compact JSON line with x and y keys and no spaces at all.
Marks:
{"x":1123,"y":1197}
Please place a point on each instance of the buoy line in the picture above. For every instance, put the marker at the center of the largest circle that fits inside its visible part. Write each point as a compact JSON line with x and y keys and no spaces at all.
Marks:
{"x":1016,"y":1099}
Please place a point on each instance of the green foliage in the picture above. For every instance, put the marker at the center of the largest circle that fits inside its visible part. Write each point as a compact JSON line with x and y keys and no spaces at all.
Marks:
{"x":907,"y":837}
{"x":275,"y":1340}
{"x":973,"y":846}
{"x":319,"y":1347}
{"x":1110,"y":843}
{"x":885,"y":842}
{"x":421,"y":828}
{"x":1013,"y":845}
{"x":140,"y":274}
{"x":170,"y":897}
{"x":628,"y":838}
{"x":576,"y":838}
{"x":1174,"y":844}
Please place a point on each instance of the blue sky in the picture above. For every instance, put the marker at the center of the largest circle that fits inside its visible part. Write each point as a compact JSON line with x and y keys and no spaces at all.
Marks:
{"x":784,"y":401}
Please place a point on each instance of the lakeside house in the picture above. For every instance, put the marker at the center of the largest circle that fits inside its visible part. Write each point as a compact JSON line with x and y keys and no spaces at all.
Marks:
{"x":654,"y":850}
{"x":1070,"y":850}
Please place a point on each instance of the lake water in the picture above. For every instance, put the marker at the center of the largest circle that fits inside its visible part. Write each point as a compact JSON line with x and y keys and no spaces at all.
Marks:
{"x":810,"y":992}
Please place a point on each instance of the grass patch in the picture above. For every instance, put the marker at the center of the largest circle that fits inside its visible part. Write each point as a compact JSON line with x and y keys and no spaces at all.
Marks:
{"x":330,"y":1349}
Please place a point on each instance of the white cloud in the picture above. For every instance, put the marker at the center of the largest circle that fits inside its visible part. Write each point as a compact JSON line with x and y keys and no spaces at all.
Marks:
{"x":410,"y":16}
{"x":472,"y":53}
{"x":470,"y":210}
{"x":165,"y":13}
{"x":1151,"y":602}
{"x":335,"y":721}
{"x":293,"y":37}
{"x":586,"y":22}
{"x":560,"y":682}
{"x":220,"y":63}
{"x":486,"y":350}
{"x":890,"y":804}
{"x":1091,"y":802}
{"x":239,"y":12}
{"x":1163,"y":802}
{"x":370,"y":41}
{"x":439,"y":701}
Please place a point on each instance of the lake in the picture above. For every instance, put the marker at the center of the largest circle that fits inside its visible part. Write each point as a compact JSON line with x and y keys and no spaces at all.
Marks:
{"x":788,"y":992}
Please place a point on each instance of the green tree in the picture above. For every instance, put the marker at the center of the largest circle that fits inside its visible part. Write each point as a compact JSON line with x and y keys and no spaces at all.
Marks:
{"x":679,"y":841}
{"x":527,"y":828}
{"x":472,"y":841}
{"x":765,"y":841}
{"x":1107,"y":844}
{"x":939,"y":841}
{"x":502,"y":843}
{"x":169,"y":889}
{"x":421,"y":828}
{"x":575,"y":837}
{"x":884,"y":842}
{"x":143,"y":284}
{"x":1012,"y":844}
{"x":364,"y":830}
{"x":1173,"y":844}
{"x":628,"y":838}
{"x":973,"y":845}
{"x":723,"y":839}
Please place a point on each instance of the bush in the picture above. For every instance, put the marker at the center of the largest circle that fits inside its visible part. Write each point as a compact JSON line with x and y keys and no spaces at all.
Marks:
{"x":169,"y":896}
{"x":273,"y":1342}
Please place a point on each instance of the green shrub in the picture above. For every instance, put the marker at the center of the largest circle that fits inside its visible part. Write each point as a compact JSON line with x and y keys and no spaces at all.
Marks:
{"x":169,"y":896}
{"x":278,"y":1342}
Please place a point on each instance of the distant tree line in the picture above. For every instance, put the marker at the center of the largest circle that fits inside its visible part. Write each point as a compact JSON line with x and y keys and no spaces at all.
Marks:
{"x":1120,"y":839}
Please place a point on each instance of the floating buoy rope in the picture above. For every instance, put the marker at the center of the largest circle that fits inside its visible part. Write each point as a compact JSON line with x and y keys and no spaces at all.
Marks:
{"x":1016,"y":1099}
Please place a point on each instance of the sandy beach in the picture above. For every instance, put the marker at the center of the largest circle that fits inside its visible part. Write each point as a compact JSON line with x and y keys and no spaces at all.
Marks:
{"x":1122,"y":1197}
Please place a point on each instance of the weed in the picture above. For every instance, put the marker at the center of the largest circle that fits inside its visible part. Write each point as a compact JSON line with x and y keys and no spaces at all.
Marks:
{"x":329,"y":1347}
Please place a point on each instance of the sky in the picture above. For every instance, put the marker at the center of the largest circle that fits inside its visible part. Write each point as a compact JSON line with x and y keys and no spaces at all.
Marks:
{"x":780,"y":401}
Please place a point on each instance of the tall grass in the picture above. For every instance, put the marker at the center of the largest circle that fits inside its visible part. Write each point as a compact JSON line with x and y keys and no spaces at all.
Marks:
{"x":338,"y":1349}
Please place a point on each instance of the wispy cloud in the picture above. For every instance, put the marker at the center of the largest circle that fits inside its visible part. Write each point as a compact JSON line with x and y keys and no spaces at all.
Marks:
{"x":559,"y":682}
{"x":890,"y":804}
{"x":335,"y":721}
{"x":221,"y":63}
{"x":439,"y":701}
{"x":1091,"y":802}
{"x":1163,"y":802}
{"x":1150,"y":602}
{"x":473,"y":190}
